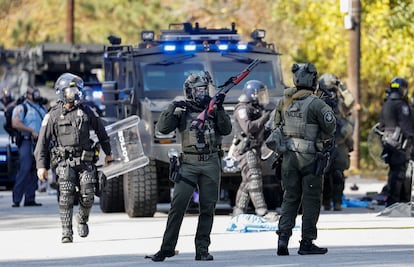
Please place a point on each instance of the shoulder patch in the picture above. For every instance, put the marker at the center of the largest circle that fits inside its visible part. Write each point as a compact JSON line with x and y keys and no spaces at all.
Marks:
{"x":242,"y":113}
{"x":328,"y":117}
{"x":405,"y":110}
{"x":45,"y":120}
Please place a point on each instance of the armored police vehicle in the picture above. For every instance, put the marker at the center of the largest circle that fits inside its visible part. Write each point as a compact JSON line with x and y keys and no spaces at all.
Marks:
{"x":42,"y":64}
{"x":143,"y":79}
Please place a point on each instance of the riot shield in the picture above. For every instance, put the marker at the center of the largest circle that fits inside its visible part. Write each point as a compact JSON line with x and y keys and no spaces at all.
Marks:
{"x":126,"y":145}
{"x":375,"y":146}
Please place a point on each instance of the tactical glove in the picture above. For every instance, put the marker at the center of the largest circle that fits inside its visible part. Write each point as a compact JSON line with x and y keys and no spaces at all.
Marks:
{"x":180,"y":104}
{"x":220,"y":101}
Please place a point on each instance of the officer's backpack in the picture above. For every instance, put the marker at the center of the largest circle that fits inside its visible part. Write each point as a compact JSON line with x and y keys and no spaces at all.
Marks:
{"x":13,"y":133}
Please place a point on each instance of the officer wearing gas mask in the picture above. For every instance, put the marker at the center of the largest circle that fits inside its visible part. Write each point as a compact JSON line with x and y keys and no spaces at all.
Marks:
{"x":250,"y":119}
{"x":200,"y":162}
{"x":341,"y":101}
{"x":397,"y":125}
{"x":67,"y":126}
{"x":27,"y":118}
{"x":308,"y":123}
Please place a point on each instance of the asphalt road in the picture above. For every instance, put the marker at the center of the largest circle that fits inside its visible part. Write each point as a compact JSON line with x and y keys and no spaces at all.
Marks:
{"x":30,"y":236}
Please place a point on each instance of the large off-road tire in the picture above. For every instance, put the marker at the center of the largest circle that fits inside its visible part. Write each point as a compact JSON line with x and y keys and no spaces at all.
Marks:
{"x":112,"y":196}
{"x":140,"y":191}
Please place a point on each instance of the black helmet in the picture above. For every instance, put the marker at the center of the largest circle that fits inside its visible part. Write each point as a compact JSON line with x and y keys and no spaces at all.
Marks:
{"x":197,"y":88}
{"x":305,"y":76}
{"x":255,"y":92}
{"x":329,"y":82}
{"x":69,"y":87}
{"x":399,"y":85}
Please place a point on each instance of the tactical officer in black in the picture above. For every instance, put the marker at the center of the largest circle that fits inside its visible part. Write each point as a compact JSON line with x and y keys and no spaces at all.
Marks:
{"x":200,"y":163}
{"x":397,"y":125}
{"x":67,"y":127}
{"x":250,"y":119}
{"x":307,"y":124}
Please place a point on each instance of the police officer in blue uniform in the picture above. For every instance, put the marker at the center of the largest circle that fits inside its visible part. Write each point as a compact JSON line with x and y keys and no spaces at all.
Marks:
{"x":27,"y":118}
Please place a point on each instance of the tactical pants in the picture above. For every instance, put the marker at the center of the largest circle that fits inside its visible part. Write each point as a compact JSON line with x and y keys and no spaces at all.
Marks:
{"x":251,"y":186}
{"x":26,"y":180}
{"x":301,"y":186}
{"x":206,"y":175}
{"x":399,"y":185}
{"x":333,"y":187}
{"x":70,"y":177}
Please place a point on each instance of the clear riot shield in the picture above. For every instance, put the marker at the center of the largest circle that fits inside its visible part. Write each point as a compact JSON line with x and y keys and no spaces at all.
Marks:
{"x":127,"y":152}
{"x":375,"y":146}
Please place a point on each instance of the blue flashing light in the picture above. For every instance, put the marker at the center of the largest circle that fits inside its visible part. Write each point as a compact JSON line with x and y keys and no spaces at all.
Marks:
{"x":223,"y":47}
{"x":242,"y":46}
{"x":169,"y":48}
{"x":190,"y":47}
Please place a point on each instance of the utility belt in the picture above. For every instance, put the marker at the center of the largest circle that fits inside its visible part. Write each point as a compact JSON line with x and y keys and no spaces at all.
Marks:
{"x":300,"y":145}
{"x":198,"y":156}
{"x":74,"y":156}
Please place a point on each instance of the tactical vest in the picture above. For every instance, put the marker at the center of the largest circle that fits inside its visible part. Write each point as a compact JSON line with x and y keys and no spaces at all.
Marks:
{"x":73,"y":130}
{"x":301,"y":135}
{"x":195,"y":141}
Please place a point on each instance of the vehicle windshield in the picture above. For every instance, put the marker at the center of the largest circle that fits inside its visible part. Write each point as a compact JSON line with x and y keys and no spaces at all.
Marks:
{"x":167,"y":79}
{"x":159,"y":77}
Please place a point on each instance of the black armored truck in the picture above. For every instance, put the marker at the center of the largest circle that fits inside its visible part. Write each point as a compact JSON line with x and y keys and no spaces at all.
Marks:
{"x":143,"y":79}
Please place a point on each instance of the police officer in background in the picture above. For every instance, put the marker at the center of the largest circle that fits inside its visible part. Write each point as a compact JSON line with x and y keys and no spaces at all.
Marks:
{"x":27,"y":118}
{"x":397,"y":125}
{"x":68,"y":126}
{"x":200,"y":163}
{"x":251,"y":117}
{"x":308,"y":125}
{"x":341,"y":101}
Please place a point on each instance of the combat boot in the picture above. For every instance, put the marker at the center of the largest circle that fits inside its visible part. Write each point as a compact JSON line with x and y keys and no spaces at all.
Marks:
{"x":282,"y":245}
{"x":337,"y":207}
{"x":67,"y":235}
{"x":308,"y":248}
{"x":83,"y":228}
{"x":161,"y":255}
{"x":203,"y":256}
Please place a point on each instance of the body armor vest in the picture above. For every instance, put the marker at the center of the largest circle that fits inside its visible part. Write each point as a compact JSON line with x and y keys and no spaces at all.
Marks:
{"x":295,"y":120}
{"x":194,"y":141}
{"x":73,"y":129}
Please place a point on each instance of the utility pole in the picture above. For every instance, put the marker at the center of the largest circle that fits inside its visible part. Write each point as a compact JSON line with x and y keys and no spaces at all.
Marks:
{"x":70,"y":9}
{"x":352,"y":22}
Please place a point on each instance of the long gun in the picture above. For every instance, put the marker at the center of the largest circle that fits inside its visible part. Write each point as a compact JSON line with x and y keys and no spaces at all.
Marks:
{"x":224,"y":88}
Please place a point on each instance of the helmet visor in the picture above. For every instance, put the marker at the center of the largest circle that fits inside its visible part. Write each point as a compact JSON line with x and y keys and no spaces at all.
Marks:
{"x":200,"y":92}
{"x":71,"y":94}
{"x":263,"y":97}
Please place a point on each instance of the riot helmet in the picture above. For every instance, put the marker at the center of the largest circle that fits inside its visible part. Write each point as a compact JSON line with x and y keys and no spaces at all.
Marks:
{"x":400,"y":86}
{"x":197,"y":88}
{"x":329,"y":82}
{"x":255,"y":92}
{"x":69,"y":88}
{"x":305,"y":76}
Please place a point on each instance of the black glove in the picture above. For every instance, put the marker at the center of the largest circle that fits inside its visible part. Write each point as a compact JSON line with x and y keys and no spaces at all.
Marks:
{"x":219,"y":101}
{"x":180,"y":104}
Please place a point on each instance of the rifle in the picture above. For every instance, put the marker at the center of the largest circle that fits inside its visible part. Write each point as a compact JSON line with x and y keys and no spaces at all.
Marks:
{"x":224,"y":88}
